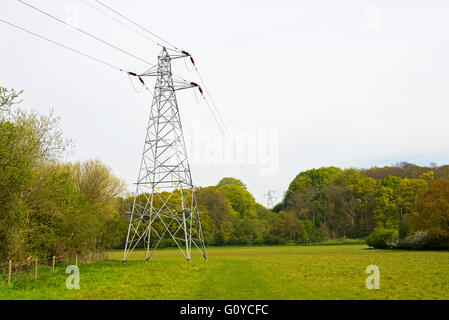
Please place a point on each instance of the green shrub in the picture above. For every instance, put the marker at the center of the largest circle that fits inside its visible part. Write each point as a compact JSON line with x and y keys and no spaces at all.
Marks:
{"x":420,"y":240}
{"x":380,"y":238}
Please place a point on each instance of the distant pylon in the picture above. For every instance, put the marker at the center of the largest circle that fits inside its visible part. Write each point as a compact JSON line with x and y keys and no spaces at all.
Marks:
{"x":165,"y":201}
{"x":270,"y":197}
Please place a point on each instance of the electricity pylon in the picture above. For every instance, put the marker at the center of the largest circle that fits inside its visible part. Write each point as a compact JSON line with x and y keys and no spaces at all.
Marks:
{"x":165,"y":201}
{"x":270,"y":197}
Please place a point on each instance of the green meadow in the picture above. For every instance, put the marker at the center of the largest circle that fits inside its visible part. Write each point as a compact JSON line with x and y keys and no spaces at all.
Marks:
{"x":272,"y":272}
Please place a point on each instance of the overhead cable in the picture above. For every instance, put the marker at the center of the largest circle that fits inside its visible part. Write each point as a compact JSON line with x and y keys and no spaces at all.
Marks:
{"x":86,"y":33}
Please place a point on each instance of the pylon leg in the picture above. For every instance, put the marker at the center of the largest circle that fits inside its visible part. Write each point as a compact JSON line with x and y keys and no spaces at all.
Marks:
{"x":147,"y":251}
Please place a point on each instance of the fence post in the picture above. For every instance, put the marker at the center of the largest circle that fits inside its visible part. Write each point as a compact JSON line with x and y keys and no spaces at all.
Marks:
{"x":9,"y":271}
{"x":35,"y":268}
{"x":76,"y":259}
{"x":53,"y":263}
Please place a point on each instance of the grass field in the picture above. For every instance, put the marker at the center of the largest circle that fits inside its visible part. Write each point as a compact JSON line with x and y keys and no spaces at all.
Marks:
{"x":280,"y":272}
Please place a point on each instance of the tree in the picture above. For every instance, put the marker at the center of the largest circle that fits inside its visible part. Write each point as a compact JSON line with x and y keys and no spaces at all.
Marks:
{"x":407,"y":195}
{"x":286,"y":227}
{"x":230,"y":181}
{"x":101,"y":188}
{"x":219,"y":211}
{"x":59,"y":219}
{"x":385,"y":211}
{"x":8,"y":98}
{"x":48,"y":207}
{"x":245,"y":230}
{"x":433,"y":211}
{"x":97,"y":182}
{"x":340,"y":215}
{"x":364,"y":190}
{"x":316,"y":178}
{"x":242,"y":202}
{"x":304,"y":191}
{"x":27,"y":141}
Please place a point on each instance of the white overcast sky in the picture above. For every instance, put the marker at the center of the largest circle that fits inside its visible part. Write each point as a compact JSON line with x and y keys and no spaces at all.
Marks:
{"x":333,"y":82}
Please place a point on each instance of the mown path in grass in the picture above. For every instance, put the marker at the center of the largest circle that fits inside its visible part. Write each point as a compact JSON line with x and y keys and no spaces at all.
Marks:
{"x":279,"y":272}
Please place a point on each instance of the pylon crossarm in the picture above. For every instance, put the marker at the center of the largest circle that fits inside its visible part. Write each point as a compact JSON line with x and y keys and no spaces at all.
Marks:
{"x":185,"y":85}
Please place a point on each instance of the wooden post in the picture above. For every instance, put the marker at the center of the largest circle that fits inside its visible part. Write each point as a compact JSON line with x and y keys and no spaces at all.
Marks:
{"x":76,"y":259}
{"x":9,"y":271}
{"x":35,"y":268}
{"x":53,"y":263}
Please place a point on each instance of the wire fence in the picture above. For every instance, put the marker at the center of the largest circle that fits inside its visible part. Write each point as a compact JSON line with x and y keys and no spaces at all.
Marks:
{"x":32,"y":264}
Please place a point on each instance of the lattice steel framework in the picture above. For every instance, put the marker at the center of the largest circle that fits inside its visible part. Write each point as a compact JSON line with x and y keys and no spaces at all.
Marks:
{"x":165,"y":202}
{"x":270,"y":197}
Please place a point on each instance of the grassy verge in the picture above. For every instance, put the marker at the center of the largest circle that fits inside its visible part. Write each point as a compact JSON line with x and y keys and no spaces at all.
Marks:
{"x":275,"y":272}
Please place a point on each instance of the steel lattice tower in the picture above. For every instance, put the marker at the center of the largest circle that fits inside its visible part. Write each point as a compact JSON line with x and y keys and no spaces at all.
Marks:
{"x":270,"y":197}
{"x":165,"y":201}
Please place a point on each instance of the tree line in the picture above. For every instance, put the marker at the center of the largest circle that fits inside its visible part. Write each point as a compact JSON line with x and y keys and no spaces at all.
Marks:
{"x":403,"y":206}
{"x":50,"y":207}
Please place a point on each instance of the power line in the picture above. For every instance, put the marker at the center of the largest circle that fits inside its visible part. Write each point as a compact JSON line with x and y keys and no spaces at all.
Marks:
{"x":86,"y":33}
{"x":134,"y":30}
{"x":155,"y":35}
{"x":224,"y":125}
{"x":118,"y":21}
{"x":136,"y":24}
{"x":62,"y":45}
{"x":248,"y":173}
{"x":75,"y":51}
{"x":251,"y":178}
{"x":221,"y":125}
{"x":209,"y":164}
{"x":223,"y":129}
{"x":87,"y":56}
{"x":225,"y":132}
